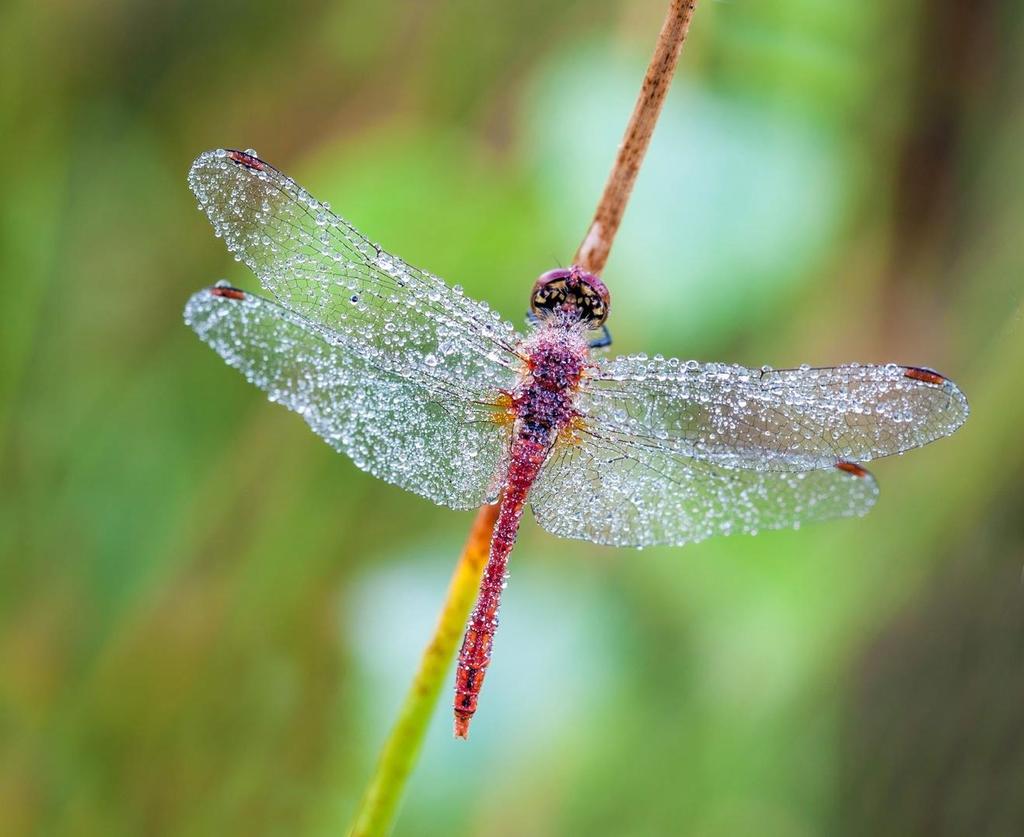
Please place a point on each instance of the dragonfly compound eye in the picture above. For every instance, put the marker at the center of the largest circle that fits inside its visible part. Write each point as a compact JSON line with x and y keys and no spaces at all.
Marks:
{"x":573,"y":294}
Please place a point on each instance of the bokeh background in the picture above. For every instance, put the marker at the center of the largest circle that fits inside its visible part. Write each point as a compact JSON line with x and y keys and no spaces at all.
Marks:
{"x":208,"y":619}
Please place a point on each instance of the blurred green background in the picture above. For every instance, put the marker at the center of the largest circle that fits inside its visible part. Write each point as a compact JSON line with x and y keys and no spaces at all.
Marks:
{"x":208,"y":619}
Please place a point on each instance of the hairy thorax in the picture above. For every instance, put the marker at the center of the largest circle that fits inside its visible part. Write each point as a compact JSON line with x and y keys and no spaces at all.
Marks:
{"x":543,"y":402}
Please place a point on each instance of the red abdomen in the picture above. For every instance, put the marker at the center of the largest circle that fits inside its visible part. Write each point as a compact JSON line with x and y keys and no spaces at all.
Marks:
{"x":525,"y":460}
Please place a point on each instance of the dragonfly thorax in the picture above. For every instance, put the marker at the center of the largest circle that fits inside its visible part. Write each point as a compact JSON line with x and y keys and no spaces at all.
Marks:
{"x":543,"y":400}
{"x":573,"y":295}
{"x":555,"y":359}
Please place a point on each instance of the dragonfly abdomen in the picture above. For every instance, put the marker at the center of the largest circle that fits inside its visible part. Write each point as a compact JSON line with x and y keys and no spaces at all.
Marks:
{"x":526,"y":457}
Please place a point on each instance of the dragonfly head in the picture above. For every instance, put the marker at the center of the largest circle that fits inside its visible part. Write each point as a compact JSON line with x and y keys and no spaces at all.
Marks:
{"x":572,"y":293}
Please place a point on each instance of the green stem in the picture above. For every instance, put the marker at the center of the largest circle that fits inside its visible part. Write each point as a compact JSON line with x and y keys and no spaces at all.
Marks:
{"x":377,"y":810}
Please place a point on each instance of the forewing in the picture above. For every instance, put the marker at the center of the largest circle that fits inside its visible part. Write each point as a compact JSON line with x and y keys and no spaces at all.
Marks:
{"x":619,"y":491}
{"x":395,"y":316}
{"x":445,"y":449}
{"x":772,"y":420}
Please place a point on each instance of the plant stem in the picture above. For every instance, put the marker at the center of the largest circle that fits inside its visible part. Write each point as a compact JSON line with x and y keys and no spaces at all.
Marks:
{"x":597,"y":243}
{"x":380,"y":802}
{"x":379,"y":805}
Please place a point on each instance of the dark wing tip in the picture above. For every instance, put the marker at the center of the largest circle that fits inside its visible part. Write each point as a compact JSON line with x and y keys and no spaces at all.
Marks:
{"x":246,"y":160}
{"x":215,"y":158}
{"x":854,"y":469}
{"x":225,"y":291}
{"x":865,"y":490}
{"x":923,"y":373}
{"x":957,"y":404}
{"x":203,"y":304}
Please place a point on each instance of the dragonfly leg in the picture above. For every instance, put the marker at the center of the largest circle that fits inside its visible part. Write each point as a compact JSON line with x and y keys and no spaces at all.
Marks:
{"x":603,"y":340}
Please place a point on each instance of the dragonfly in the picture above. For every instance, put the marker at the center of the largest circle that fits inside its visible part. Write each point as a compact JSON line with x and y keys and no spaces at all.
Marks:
{"x":431,"y":391}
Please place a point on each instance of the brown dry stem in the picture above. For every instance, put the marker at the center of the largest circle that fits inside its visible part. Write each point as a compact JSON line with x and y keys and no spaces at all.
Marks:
{"x":597,"y":243}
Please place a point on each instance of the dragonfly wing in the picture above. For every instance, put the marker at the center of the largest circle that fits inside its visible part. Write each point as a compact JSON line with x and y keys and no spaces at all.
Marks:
{"x":397,"y":317}
{"x":774,"y":420}
{"x":444,"y":448}
{"x":624,"y":491}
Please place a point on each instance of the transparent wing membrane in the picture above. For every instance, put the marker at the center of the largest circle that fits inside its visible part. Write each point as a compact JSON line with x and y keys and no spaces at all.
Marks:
{"x":316,"y":264}
{"x":620,"y":491}
{"x":415,"y":383}
{"x":771,"y":420}
{"x":410,"y":434}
